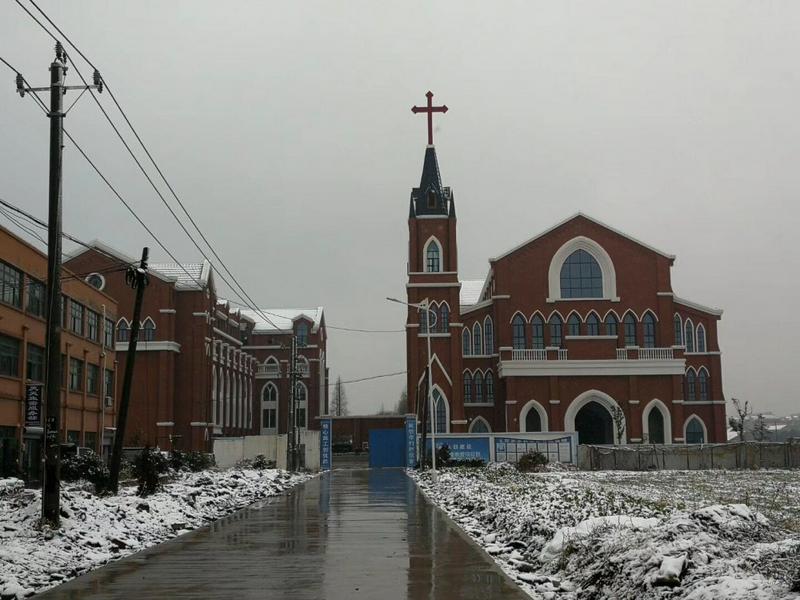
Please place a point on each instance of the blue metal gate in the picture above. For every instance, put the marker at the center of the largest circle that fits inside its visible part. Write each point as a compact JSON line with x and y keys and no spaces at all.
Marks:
{"x":387,"y":448}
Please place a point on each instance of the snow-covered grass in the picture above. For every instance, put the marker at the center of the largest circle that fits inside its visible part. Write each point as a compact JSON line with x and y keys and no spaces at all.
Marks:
{"x":591,"y":535}
{"x":96,"y":530}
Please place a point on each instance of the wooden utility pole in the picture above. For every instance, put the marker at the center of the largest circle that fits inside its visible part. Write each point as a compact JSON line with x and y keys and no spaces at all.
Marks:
{"x":293,"y":462}
{"x":137,"y":279}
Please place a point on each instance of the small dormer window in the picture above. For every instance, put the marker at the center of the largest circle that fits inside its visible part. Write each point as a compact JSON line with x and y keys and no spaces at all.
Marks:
{"x":431,"y":199}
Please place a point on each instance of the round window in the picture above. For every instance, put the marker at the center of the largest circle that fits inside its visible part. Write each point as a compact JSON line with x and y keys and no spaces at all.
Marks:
{"x":96,"y":280}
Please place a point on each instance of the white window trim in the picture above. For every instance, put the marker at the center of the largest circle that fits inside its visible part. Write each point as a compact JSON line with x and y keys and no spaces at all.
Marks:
{"x":656,"y":404}
{"x":585,"y":398}
{"x":533,"y":405}
{"x":432,"y":240}
{"x":686,"y":425}
{"x":598,"y":253}
{"x":480,"y":419}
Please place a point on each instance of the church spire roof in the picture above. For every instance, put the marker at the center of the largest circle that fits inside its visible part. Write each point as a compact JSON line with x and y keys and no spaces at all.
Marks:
{"x":431,"y":197}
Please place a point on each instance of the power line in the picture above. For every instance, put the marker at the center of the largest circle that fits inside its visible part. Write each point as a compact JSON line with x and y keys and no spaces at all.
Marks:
{"x":370,"y":378}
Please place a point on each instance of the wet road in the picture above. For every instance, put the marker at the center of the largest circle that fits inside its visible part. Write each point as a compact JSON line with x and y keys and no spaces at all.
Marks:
{"x":347,"y":534}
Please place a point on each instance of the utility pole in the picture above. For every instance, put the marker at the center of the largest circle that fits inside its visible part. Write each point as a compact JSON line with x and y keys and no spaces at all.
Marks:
{"x":138,"y":280}
{"x":292,"y":461}
{"x":51,"y":484}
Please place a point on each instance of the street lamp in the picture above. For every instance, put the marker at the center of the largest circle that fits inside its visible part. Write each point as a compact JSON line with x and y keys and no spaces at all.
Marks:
{"x":425,"y":305}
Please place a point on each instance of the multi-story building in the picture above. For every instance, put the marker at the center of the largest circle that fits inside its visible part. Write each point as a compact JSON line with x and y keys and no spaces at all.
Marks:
{"x":576,"y":329}
{"x":89,"y":362}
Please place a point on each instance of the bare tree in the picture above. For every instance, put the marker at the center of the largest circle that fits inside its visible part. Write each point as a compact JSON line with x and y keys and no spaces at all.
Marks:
{"x":742,"y":412}
{"x":618,"y":416}
{"x":339,"y":398}
{"x":760,"y":429}
{"x":402,"y":403}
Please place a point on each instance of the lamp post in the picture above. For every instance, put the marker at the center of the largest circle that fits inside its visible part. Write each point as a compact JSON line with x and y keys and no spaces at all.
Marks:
{"x":425,"y":305}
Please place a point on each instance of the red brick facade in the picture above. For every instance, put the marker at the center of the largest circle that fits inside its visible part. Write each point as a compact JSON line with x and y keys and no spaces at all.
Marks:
{"x":540,"y":354}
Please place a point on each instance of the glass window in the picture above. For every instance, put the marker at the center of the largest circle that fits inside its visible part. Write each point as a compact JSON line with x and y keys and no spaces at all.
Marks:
{"x":556,"y":326}
{"x":432,"y":262}
{"x":479,"y":388}
{"x":423,"y":321}
{"x":36,"y":298}
{"x":477,"y":340}
{"x":444,"y":318}
{"x":270,"y":418}
{"x":108,"y":333}
{"x":302,"y":334}
{"x":694,"y":432}
{"x":689,"y":336}
{"x":581,"y":276}
{"x":649,"y":330}
{"x":75,"y":375}
{"x":678,"y":330}
{"x":302,"y":404}
{"x":630,"y":330}
{"x":592,"y":325}
{"x":10,"y":285}
{"x":9,"y":356}
{"x":108,"y":385}
{"x":123,"y":332}
{"x":35,"y":363}
{"x":612,"y":326}
{"x":467,"y":388}
{"x":466,"y":342}
{"x":440,"y":411}
{"x":518,"y":332}
{"x":691,"y":395}
{"x":73,"y":437}
{"x":701,"y":338}
{"x":93,"y":325}
{"x":702,"y":379}
{"x":90,"y":440}
{"x":537,"y":332}
{"x":489,"y":388}
{"x":488,"y":336}
{"x":479,"y":426}
{"x":76,"y":317}
{"x":92,"y":378}
{"x":148,"y":331}
{"x":574,"y":325}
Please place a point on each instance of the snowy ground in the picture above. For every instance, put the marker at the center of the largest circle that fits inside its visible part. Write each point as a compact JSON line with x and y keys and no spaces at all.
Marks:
{"x":621,"y":535}
{"x":96,"y":530}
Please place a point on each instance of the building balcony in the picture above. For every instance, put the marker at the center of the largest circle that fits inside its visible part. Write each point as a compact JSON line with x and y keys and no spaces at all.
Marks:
{"x":268,"y":371}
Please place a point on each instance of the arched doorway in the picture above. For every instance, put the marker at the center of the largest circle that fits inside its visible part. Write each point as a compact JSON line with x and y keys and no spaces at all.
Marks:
{"x":594,"y":425}
{"x":655,"y":426}
{"x":533,"y":422}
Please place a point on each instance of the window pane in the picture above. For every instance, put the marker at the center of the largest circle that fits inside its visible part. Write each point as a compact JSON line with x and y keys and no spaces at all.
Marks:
{"x":611,"y":325}
{"x":574,"y":325}
{"x":10,"y":285}
{"x":75,"y":375}
{"x":592,"y":325}
{"x":467,"y":388}
{"x":432,"y":264}
{"x":537,"y":330}
{"x":581,"y":276}
{"x":9,"y":356}
{"x":518,"y":333}
{"x":555,"y":331}
{"x":35,"y":363}
{"x":36,"y":298}
{"x":630,"y":330}
{"x":649,"y":333}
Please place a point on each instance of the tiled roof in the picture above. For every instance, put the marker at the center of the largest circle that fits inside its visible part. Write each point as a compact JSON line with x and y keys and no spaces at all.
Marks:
{"x":188,"y":276}
{"x":470,"y":291}
{"x":282,"y":319}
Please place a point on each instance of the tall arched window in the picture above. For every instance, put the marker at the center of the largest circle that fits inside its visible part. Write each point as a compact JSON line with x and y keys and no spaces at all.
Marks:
{"x":478,"y":387}
{"x":573,"y":325}
{"x":701,"y":338}
{"x":649,"y":330}
{"x":612,"y":325}
{"x":302,"y":334}
{"x":537,"y":332}
{"x":477,"y":340}
{"x":678,"y":324}
{"x":630,"y":329}
{"x":123,"y":331}
{"x":489,"y":388}
{"x":688,"y":336}
{"x":433,"y":258}
{"x":581,"y":276}
{"x":214,"y":406}
{"x":443,"y":323}
{"x":466,"y":342}
{"x":695,"y":432}
{"x":439,"y":411}
{"x":518,"y":332}
{"x":592,"y":325}
{"x":148,"y":330}
{"x":269,"y":408}
{"x":488,"y":335}
{"x":467,"y":388}
{"x":301,"y":397}
{"x":691,"y":379}
{"x":702,"y":381}
{"x":556,"y":327}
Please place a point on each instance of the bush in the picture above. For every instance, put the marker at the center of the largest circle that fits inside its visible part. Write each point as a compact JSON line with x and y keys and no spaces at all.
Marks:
{"x":190,"y":461}
{"x":260,"y":462}
{"x":469,"y":463}
{"x":86,"y":465}
{"x":147,"y":467}
{"x":532,"y":462}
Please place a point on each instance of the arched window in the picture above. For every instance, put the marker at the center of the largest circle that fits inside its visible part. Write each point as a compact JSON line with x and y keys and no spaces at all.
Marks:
{"x":466,"y":342}
{"x":303,"y":366}
{"x":443,"y":323}
{"x":612,"y":325}
{"x":302,"y":334}
{"x":581,"y":276}
{"x":695,"y":432}
{"x":556,"y":326}
{"x":439,"y":411}
{"x":678,"y":324}
{"x":123,"y":331}
{"x":655,"y":426}
{"x":479,"y":425}
{"x":301,"y":397}
{"x":573,"y":325}
{"x":433,"y":257}
{"x":477,"y":340}
{"x":478,"y":379}
{"x":592,"y":325}
{"x":688,"y":336}
{"x":630,"y":329}
{"x":488,"y":335}
{"x":533,"y":421}
{"x":649,"y":330}
{"x":214,"y":406}
{"x":701,"y":338}
{"x":518,"y":332}
{"x":691,"y":379}
{"x":148,"y":330}
{"x":489,"y":388}
{"x":269,"y":408}
{"x":702,"y":380}
{"x":537,"y":332}
{"x":467,"y":388}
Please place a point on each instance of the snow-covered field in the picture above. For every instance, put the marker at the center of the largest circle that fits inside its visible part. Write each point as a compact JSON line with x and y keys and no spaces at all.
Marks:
{"x":96,"y":530}
{"x":699,"y":535}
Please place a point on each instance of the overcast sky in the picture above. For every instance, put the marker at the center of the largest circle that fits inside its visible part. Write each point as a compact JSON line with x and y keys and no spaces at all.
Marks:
{"x":286,"y":129}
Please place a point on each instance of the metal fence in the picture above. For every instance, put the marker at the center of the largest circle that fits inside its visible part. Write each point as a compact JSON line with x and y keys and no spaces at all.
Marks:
{"x":653,"y":457}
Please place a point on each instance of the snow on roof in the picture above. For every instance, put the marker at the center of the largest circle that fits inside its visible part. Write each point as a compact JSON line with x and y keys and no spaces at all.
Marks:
{"x":470,"y":291}
{"x":732,"y":434}
{"x":282,"y":319}
{"x":187,"y":276}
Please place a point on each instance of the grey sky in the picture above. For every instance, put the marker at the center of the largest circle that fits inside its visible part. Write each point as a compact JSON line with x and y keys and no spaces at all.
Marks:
{"x":285,"y":127}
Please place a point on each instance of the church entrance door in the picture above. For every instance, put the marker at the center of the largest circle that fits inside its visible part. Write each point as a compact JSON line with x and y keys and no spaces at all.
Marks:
{"x":594,"y":425}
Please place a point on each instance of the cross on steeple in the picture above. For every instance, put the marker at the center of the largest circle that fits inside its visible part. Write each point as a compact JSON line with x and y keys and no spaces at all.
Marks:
{"x":430,"y":109}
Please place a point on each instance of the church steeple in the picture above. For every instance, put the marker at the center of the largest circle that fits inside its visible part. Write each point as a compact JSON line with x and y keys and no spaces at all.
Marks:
{"x":431,"y":197}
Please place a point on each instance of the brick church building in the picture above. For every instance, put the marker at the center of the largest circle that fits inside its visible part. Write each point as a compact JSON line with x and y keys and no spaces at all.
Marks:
{"x":574,"y":329}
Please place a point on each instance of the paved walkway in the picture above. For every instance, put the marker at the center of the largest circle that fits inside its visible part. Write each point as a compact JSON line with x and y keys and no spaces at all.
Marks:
{"x":347,"y":534}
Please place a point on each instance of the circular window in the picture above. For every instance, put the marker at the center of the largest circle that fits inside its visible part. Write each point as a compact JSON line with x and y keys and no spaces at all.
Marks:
{"x":96,"y":280}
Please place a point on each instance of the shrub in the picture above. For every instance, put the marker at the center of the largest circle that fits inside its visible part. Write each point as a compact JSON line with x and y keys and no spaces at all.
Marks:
{"x":86,"y":465}
{"x":532,"y":462}
{"x":147,"y":467}
{"x":190,"y":461}
{"x":443,"y":456}
{"x":260,"y":462}
{"x":470,"y":463}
